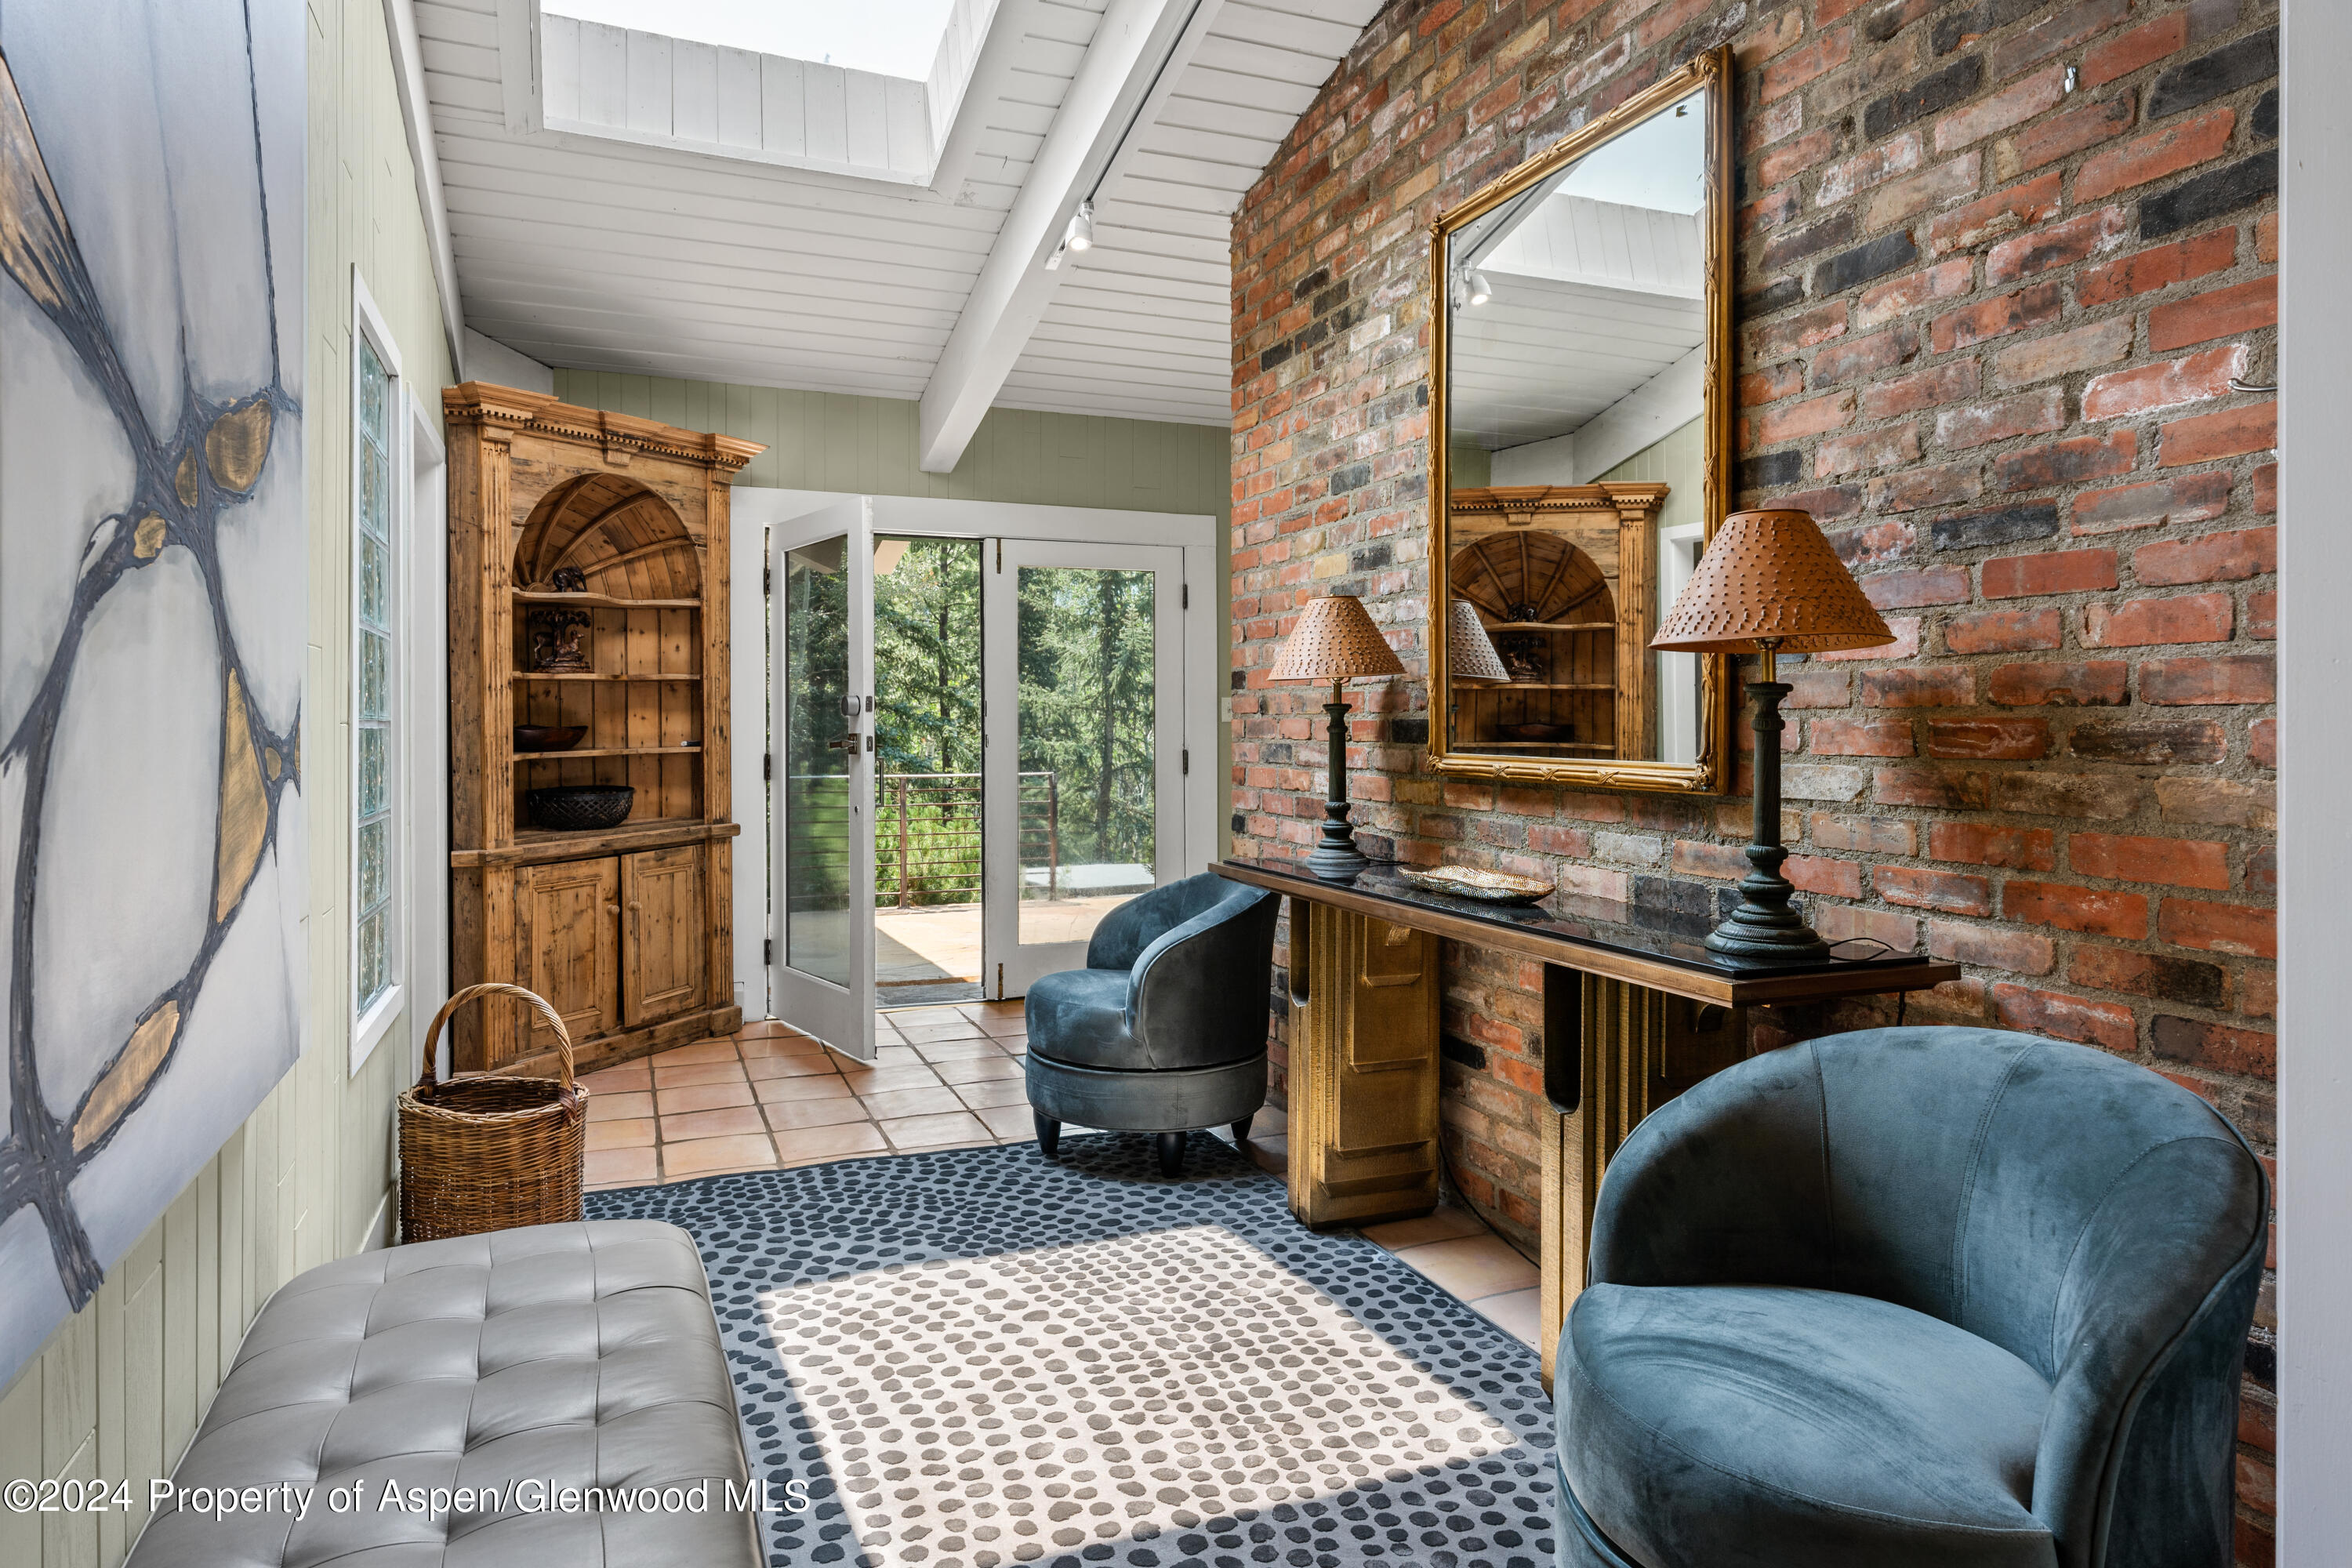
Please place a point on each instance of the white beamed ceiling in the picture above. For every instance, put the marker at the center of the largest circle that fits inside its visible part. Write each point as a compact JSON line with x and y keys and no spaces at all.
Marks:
{"x":593,"y":253}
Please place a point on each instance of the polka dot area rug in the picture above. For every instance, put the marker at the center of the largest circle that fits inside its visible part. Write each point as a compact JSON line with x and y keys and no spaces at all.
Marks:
{"x":979,"y":1357}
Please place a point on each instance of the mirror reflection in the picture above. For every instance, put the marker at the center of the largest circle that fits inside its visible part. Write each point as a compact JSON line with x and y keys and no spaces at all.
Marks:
{"x":1577,"y":367}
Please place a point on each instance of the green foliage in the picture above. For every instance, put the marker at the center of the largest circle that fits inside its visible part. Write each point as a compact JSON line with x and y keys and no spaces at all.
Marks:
{"x":1085,"y":646}
{"x":926,"y":721}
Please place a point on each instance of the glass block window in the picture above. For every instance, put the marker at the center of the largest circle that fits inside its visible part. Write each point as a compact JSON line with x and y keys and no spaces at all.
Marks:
{"x":371,"y":654}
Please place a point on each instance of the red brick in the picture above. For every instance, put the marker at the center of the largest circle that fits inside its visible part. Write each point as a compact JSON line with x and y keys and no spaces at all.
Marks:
{"x":1859,"y":737}
{"x":2215,"y":558}
{"x":2180,"y":862}
{"x":2093,"y":911}
{"x":1984,"y":844}
{"x":2019,"y":102}
{"x":2059,"y":244}
{"x":2143,"y":623}
{"x":2054,"y":1013}
{"x":2184,"y":981}
{"x":2019,"y":952}
{"x":2005,"y":631}
{"x":2266,"y":239}
{"x":2187,"y":498}
{"x":2265,"y":488}
{"x":2215,"y":679}
{"x":1909,"y":394}
{"x":1795,"y":421}
{"x":2155,"y":741}
{"x":2067,"y":462}
{"x":1904,"y":590}
{"x":1869,"y":834}
{"x":1950,"y":892}
{"x":1784,"y":336}
{"x":2159,"y":269}
{"x":1912,"y":488}
{"x":2241,"y":929}
{"x":2030,"y":307}
{"x":1905,"y":294}
{"x":1866,"y":355}
{"x":2261,"y":742}
{"x":1914,"y":687}
{"x":1810,"y":685}
{"x":2216,"y":313}
{"x":1958,"y":428}
{"x":2230,"y":433}
{"x":2064,"y":354}
{"x":2057,"y":571}
{"x":1866,"y":449}
{"x":1844,"y":922}
{"x":1693,"y":859}
{"x":1947,"y":787}
{"x":2020,"y":207}
{"x":2062,"y":135}
{"x":2217,"y":1047}
{"x":2144,"y":45}
{"x":1826,"y":52}
{"x":2096,"y":684}
{"x":2262,"y":616}
{"x":2183,"y":145}
{"x":1770,"y":384}
{"x":2167,"y":385}
{"x":2013,"y":740}
{"x":1828,"y":878}
{"x":1873,"y":166}
{"x":1938,"y":186}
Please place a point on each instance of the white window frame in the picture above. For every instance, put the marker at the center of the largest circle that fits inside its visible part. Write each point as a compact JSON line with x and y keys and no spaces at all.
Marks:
{"x":369,"y":1027}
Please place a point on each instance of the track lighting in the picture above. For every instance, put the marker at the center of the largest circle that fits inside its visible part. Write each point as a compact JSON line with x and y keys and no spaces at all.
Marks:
{"x":1080,"y":235}
{"x":1480,"y":289}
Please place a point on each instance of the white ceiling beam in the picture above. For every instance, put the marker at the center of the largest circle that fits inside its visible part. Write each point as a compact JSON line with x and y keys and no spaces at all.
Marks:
{"x":961,"y":110}
{"x":1139,"y":48}
{"x":425,"y":159}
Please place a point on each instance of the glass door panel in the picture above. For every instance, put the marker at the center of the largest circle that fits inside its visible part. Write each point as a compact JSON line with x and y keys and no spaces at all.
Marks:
{"x":823,"y":907}
{"x":1085,"y":705}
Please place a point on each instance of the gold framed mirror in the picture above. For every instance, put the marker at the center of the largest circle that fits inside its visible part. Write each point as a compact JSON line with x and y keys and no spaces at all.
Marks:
{"x":1581,"y":449}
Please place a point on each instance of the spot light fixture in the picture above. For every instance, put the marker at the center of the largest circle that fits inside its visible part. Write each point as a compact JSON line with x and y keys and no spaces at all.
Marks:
{"x":1080,"y":235}
{"x":1480,"y":289}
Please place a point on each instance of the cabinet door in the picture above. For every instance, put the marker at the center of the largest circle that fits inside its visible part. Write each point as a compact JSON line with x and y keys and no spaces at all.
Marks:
{"x":566,"y":920}
{"x":663,"y":935}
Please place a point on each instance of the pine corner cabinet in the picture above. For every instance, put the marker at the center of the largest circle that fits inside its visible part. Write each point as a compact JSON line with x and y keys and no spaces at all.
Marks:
{"x":588,"y":590}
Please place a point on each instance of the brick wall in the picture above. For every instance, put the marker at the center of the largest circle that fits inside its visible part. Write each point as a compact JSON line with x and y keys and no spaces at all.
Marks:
{"x":1986,"y":329}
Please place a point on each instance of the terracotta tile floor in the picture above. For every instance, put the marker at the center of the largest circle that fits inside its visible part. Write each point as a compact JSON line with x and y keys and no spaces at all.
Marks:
{"x":943,"y":1078}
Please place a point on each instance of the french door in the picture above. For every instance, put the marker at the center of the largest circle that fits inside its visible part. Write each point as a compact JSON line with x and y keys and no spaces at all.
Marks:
{"x":1084,"y":760}
{"x":821,"y":887}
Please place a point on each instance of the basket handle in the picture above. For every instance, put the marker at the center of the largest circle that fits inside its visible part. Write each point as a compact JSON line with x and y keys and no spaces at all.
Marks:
{"x":491,"y":987}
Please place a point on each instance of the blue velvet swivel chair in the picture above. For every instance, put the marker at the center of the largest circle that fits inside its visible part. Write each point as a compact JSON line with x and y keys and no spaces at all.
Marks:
{"x":1944,"y":1298}
{"x":1164,"y":1029}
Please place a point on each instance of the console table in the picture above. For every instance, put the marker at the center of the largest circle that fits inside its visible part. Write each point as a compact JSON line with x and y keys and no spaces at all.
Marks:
{"x":1635,"y":1010}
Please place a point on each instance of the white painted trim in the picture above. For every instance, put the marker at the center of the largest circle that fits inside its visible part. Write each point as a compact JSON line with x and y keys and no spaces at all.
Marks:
{"x":1139,"y":49}
{"x":425,"y":157}
{"x":2314,"y":1090}
{"x":959,"y":126}
{"x":370,"y":1027}
{"x":519,"y":73}
{"x":426,"y":827}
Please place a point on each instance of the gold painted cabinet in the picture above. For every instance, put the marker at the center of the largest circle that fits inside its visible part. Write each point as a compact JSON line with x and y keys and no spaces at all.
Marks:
{"x":588,"y":592}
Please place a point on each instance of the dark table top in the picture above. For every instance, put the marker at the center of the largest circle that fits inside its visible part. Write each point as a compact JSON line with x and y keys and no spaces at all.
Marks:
{"x":1658,"y":942}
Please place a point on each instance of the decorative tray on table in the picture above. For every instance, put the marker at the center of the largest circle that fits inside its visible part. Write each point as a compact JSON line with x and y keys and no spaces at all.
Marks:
{"x":1469,"y":882}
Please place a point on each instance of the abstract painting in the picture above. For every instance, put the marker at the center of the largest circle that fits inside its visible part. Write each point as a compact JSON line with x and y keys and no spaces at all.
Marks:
{"x":154,"y":587}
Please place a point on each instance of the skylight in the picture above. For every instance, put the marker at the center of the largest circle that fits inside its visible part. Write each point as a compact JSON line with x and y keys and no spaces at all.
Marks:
{"x":893,"y":38}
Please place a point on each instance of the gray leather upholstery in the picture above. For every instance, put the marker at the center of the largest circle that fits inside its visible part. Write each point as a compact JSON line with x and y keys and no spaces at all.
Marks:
{"x":582,"y":1355}
{"x":1164,"y":1030}
{"x":1934,"y":1295}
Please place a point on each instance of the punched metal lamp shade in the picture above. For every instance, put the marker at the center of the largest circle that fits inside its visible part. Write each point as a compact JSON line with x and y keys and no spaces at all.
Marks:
{"x":1770,"y":576}
{"x":1470,"y":655}
{"x":1334,"y":639}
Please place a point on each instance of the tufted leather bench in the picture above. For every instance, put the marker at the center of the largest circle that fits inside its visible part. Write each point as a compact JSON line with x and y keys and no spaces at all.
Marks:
{"x":559,"y":1356}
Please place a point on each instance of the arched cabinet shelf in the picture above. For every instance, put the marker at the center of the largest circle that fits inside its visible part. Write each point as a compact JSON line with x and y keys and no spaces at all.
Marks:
{"x":588,"y":591}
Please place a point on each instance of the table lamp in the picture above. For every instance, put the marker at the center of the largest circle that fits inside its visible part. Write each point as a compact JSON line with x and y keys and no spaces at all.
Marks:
{"x":1333,"y":639}
{"x":1768,"y":582}
{"x":1470,"y":655}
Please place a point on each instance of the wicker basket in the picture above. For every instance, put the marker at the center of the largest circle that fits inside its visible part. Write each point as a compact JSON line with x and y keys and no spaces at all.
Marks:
{"x":484,"y":1152}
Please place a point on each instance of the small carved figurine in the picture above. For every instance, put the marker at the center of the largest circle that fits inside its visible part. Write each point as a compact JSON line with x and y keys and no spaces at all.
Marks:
{"x":570,"y":580}
{"x":558,"y":640}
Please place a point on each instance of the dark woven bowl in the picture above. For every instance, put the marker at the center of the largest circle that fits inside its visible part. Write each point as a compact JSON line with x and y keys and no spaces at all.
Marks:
{"x":1538,"y":732}
{"x":581,"y":808}
{"x":548,"y":737}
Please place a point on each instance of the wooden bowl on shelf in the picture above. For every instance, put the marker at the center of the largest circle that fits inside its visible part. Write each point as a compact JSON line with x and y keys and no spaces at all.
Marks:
{"x":579,"y":808}
{"x":548,"y":737}
{"x":1538,"y":732}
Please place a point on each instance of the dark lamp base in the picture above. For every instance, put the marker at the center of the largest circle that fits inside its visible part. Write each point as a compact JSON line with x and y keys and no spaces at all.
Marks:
{"x":1764,"y":929}
{"x":1335,"y":858}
